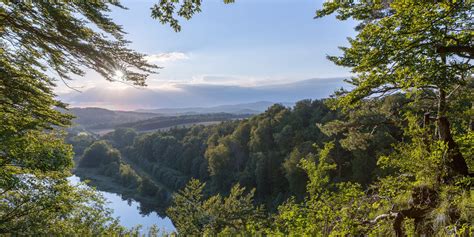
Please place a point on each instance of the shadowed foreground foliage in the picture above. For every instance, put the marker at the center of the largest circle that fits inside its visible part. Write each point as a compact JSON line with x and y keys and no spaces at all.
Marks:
{"x":41,"y":43}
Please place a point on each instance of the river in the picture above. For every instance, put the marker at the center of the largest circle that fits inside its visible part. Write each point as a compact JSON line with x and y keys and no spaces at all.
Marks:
{"x":129,"y":212}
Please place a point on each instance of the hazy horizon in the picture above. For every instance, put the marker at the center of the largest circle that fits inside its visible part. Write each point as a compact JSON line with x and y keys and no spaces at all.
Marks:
{"x":201,"y":95}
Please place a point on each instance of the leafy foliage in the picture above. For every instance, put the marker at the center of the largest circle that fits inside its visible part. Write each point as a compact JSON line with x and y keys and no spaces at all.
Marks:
{"x":47,"y":205}
{"x":193,"y":215}
{"x":98,"y":154}
{"x":405,"y":45}
{"x":60,"y":37}
{"x":330,"y":208}
{"x":43,"y":42}
{"x":166,"y":11}
{"x":262,"y":152}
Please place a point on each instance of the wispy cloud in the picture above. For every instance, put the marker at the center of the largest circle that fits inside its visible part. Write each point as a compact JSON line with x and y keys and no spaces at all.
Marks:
{"x":236,"y":80}
{"x":166,"y":57}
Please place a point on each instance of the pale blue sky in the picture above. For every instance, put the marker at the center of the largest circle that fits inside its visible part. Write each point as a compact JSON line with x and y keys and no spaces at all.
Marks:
{"x":246,"y":44}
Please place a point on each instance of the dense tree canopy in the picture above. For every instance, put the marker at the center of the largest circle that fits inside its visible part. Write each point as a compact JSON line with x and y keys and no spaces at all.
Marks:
{"x":423,"y":49}
{"x":261,"y":153}
{"x":234,"y":214}
{"x":98,"y":154}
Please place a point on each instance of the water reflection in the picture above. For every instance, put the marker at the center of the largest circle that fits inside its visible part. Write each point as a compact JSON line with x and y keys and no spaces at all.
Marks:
{"x":129,"y":211}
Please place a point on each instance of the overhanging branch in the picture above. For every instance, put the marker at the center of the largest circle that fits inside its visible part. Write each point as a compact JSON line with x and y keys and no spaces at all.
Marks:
{"x":457,"y":49}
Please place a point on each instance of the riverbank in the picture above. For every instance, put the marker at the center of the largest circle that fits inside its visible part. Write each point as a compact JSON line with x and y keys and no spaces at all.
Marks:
{"x":108,"y":184}
{"x":128,"y":212}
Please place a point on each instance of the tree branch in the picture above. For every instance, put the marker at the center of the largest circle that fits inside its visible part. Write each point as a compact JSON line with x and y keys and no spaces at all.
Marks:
{"x":457,"y":49}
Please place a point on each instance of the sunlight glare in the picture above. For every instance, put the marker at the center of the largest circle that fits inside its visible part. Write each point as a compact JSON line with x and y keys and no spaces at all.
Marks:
{"x":118,"y":74}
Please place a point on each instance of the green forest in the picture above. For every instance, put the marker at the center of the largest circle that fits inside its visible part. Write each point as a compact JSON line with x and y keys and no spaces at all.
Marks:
{"x":391,"y":156}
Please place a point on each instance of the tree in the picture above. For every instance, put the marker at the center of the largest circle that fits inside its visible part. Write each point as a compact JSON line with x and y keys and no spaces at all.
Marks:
{"x":64,"y":37}
{"x":36,"y":199}
{"x":330,"y":209}
{"x":166,"y":11}
{"x":43,"y":42}
{"x":80,"y":141}
{"x":99,"y":154}
{"x":123,"y":137}
{"x":368,"y":131}
{"x":414,"y":194}
{"x":422,"y":49}
{"x":220,"y":168}
{"x":51,"y":206}
{"x":194,"y":215}
{"x":410,"y":46}
{"x":296,"y":176}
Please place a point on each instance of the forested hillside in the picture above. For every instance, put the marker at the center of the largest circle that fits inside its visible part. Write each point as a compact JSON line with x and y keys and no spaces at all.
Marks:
{"x":168,"y":122}
{"x":98,"y":118}
{"x":273,"y":153}
{"x":245,"y":108}
{"x":101,"y":121}
{"x":261,"y":152}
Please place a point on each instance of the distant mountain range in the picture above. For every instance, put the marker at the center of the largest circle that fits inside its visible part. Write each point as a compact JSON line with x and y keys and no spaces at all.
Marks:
{"x":246,"y":108}
{"x":100,"y":118}
{"x":168,"y":122}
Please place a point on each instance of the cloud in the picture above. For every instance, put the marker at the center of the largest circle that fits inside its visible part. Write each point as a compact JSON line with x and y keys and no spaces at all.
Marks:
{"x":223,"y":80}
{"x":166,"y":57}
{"x":201,"y":95}
{"x":233,"y":80}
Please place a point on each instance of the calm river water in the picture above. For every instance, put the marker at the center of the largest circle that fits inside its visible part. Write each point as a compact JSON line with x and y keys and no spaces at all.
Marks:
{"x":129,"y":213}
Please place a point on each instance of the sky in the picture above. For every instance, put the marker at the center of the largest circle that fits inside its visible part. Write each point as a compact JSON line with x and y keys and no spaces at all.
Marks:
{"x":251,"y":50}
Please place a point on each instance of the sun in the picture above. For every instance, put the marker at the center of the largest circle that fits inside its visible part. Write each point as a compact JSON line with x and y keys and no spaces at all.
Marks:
{"x":118,"y":75}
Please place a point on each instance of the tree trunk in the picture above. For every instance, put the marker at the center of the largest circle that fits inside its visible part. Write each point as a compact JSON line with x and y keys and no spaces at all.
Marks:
{"x":456,"y":163}
{"x":442,"y":107}
{"x":424,"y":200}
